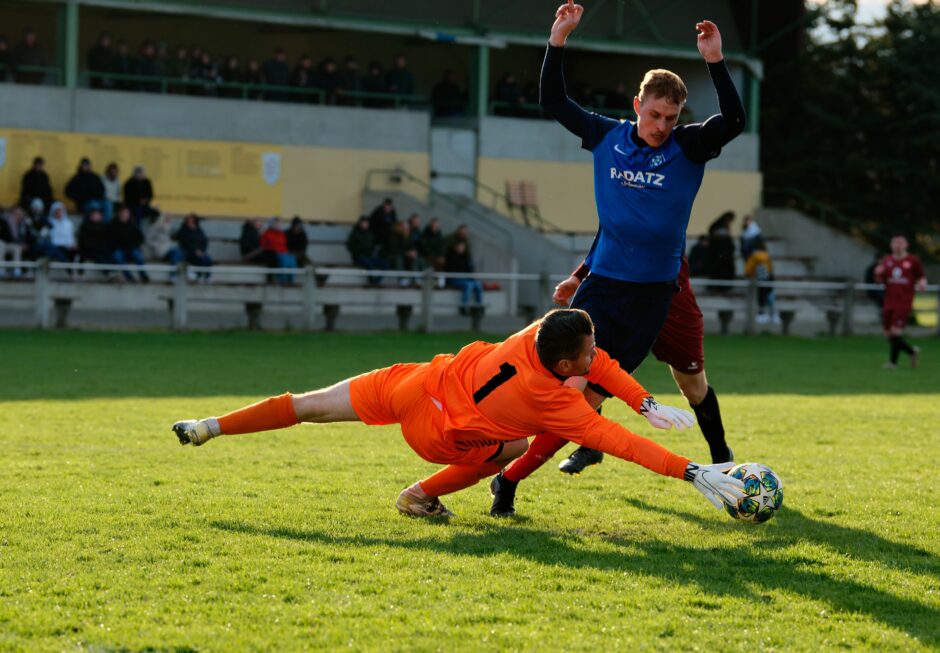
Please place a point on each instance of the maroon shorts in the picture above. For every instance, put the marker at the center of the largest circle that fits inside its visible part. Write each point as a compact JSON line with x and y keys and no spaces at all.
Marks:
{"x":679,"y":343}
{"x":895,"y":316}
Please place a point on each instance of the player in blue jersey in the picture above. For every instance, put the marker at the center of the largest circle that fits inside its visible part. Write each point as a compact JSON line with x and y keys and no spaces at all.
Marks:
{"x":646,"y":176}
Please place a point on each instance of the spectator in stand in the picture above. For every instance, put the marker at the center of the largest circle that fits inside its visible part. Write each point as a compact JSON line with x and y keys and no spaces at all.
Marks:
{"x":509,"y":96}
{"x":62,"y":245}
{"x":413,"y":254}
{"x":100,"y":61}
{"x":446,"y":97}
{"x":37,"y":213}
{"x":138,"y":196}
{"x":328,"y":80}
{"x":721,"y":250}
{"x":249,"y":245}
{"x":760,"y":268}
{"x":195,"y":55}
{"x":6,"y":60}
{"x":399,"y":79}
{"x":126,"y":239}
{"x":14,"y":239}
{"x":93,"y":242}
{"x":374,"y":82}
{"x":87,"y":191}
{"x":149,"y":66}
{"x":124,"y":64}
{"x":618,"y":100}
{"x":361,"y":246}
{"x":206,"y":75}
{"x":349,"y":80}
{"x":276,"y":73}
{"x":877,"y":296}
{"x":255,"y":78}
{"x":29,"y":54}
{"x":35,"y":184}
{"x":177,"y":67}
{"x":461,"y":235}
{"x":230,"y":73}
{"x":297,"y":241}
{"x":159,"y":241}
{"x":381,"y":220}
{"x":698,"y":257}
{"x":394,"y":247}
{"x":192,"y":245}
{"x":432,"y":245}
{"x":750,"y":233}
{"x":112,"y":185}
{"x":274,"y":240}
{"x":302,"y":78}
{"x":458,"y":260}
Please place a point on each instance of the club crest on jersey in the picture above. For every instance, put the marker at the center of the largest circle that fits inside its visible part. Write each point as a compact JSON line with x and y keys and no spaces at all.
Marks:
{"x":637,"y":178}
{"x":657,"y":160}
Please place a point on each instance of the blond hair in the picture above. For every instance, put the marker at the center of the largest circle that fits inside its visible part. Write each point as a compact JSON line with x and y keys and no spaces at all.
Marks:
{"x":665,"y":84}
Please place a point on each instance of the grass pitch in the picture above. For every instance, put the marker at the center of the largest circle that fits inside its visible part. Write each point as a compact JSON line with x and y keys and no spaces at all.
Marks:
{"x":115,"y":538}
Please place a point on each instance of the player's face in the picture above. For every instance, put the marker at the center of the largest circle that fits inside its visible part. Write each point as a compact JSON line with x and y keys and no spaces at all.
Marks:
{"x":655,"y":119}
{"x":582,"y":364}
{"x":899,"y":246}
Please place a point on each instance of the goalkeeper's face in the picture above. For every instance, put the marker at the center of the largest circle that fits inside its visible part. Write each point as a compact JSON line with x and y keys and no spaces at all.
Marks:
{"x":581,"y":364}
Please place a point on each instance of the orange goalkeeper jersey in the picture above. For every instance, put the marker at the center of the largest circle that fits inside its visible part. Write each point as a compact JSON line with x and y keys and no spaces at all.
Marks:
{"x":503,"y":392}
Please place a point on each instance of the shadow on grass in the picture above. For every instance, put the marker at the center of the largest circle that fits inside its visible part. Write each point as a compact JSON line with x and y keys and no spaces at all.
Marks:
{"x":729,"y":571}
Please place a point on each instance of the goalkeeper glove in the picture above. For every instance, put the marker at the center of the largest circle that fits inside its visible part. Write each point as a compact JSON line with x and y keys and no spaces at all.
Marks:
{"x":665,"y":417}
{"x":714,"y":482}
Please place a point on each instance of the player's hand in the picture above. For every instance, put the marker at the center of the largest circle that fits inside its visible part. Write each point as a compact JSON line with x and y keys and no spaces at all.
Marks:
{"x":715,"y":484}
{"x":566,"y":19}
{"x":921,"y":284}
{"x":665,"y":417}
{"x":709,"y":41}
{"x":565,"y":290}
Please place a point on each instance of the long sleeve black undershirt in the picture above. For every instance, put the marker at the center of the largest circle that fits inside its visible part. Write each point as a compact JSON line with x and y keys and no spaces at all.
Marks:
{"x":700,"y":142}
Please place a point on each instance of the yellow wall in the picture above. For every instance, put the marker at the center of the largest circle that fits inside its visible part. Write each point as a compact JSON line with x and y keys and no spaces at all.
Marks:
{"x":566,"y":191}
{"x":213,"y":178}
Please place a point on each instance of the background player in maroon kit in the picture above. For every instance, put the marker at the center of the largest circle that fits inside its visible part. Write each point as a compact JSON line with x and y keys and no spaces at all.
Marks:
{"x":902,"y":274}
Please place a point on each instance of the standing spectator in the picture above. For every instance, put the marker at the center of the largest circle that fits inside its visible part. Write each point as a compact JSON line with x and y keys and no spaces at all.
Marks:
{"x":13,"y":239}
{"x":399,"y":79}
{"x":249,"y":245}
{"x":349,"y":81}
{"x":276,"y":73}
{"x":29,"y":54}
{"x":750,"y":232}
{"x":230,"y":73}
{"x":255,"y":79}
{"x":149,"y":66}
{"x":35,"y":184}
{"x":93,"y":242}
{"x":6,"y":60}
{"x":903,"y":275}
{"x":297,"y":241}
{"x":274,"y":240}
{"x":126,"y":240}
{"x":381,"y":220}
{"x":413,"y":253}
{"x":124,"y":64}
{"x":302,"y":78}
{"x":159,"y":239}
{"x":100,"y":61}
{"x":205,"y":76}
{"x":432,"y":244}
{"x":458,"y":260}
{"x":446,"y":98}
{"x":328,"y":80}
{"x":721,"y":249}
{"x":374,"y":82}
{"x":112,"y":185}
{"x":698,"y":257}
{"x":87,"y":191}
{"x":760,"y":268}
{"x":361,"y":246}
{"x":192,"y":245}
{"x":509,"y":95}
{"x":138,"y":195}
{"x":394,"y":247}
{"x":177,"y":67}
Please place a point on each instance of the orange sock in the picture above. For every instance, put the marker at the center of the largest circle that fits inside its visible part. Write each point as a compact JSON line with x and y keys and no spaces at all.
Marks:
{"x":457,"y":477}
{"x":272,"y":413}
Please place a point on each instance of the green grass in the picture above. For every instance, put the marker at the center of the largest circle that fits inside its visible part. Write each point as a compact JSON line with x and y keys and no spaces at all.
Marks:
{"x":114,"y":538}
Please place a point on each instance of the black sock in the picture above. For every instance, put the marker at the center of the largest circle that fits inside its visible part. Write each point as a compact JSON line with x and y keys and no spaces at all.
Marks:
{"x":895,"y":349}
{"x":904,"y":345}
{"x":709,"y":420}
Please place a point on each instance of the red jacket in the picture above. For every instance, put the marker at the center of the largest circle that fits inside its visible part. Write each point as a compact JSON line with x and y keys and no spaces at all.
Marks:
{"x":274,"y":240}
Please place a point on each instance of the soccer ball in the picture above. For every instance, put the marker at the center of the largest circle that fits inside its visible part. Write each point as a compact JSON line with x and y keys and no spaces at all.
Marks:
{"x":763,"y":493}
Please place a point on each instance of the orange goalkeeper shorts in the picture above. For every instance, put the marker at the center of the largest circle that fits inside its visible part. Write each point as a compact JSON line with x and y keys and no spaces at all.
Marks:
{"x":396,"y":395}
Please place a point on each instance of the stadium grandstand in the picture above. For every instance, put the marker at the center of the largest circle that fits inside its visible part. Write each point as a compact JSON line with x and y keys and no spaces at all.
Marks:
{"x":240,"y":110}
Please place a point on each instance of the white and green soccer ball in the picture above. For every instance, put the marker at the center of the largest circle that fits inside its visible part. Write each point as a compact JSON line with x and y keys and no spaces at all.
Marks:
{"x":763,"y":493}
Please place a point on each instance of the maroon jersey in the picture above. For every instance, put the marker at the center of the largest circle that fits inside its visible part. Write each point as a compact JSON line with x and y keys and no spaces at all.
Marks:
{"x":899,"y":277}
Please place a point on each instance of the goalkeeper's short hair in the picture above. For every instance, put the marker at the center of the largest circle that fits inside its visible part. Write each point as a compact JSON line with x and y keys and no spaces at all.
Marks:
{"x":560,"y":336}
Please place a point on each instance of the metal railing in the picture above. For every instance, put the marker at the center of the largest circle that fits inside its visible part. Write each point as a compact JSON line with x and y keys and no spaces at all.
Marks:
{"x":50,"y":75}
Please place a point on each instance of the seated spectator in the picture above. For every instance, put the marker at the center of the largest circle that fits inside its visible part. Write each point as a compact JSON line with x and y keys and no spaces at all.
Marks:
{"x":231,"y":73}
{"x":192,"y":245}
{"x":93,"y":243}
{"x":275,"y":73}
{"x":37,"y":212}
{"x":29,"y":54}
{"x":35,"y":184}
{"x":249,"y":245}
{"x":381,"y":220}
{"x":14,"y":241}
{"x":112,"y":185}
{"x":159,"y":240}
{"x":721,"y":250}
{"x":138,"y":194}
{"x":328,"y":80}
{"x":413,"y":255}
{"x":149,"y":66}
{"x":126,"y":240}
{"x":458,"y":260}
{"x":6,"y":60}
{"x":446,"y":97}
{"x":361,"y":246}
{"x":760,"y":268}
{"x":87,"y":192}
{"x":274,"y":241}
{"x":750,"y":232}
{"x":302,"y":78}
{"x":297,"y":242}
{"x":432,"y":245}
{"x":698,"y":257}
{"x":399,"y":79}
{"x":62,"y":245}
{"x":349,"y":80}
{"x":374,"y":82}
{"x":101,"y":60}
{"x":124,"y":64}
{"x":394,"y":248}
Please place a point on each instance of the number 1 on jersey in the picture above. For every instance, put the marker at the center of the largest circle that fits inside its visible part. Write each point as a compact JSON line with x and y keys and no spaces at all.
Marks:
{"x":506,"y":372}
